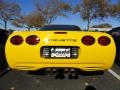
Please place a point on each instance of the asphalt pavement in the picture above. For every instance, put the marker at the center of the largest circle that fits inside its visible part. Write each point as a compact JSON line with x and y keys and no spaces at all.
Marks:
{"x":22,"y":80}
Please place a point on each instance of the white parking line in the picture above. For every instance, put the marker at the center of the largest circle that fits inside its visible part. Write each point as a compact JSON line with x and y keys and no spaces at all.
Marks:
{"x":114,"y":74}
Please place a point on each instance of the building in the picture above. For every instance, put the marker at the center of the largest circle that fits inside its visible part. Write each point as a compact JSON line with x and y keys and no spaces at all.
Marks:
{"x":102,"y":27}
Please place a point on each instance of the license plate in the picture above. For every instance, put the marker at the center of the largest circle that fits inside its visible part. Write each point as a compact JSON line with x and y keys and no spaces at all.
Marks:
{"x":60,"y":52}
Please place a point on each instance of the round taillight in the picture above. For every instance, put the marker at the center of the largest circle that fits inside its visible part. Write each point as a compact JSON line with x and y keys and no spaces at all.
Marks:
{"x":104,"y":40}
{"x":88,"y":40}
{"x":16,"y":40}
{"x":32,"y":40}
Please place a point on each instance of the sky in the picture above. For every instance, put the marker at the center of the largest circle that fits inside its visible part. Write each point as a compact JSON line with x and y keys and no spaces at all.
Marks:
{"x":28,"y":6}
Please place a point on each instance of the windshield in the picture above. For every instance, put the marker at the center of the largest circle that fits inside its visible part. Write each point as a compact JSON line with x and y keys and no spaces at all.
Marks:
{"x":61,"y":27}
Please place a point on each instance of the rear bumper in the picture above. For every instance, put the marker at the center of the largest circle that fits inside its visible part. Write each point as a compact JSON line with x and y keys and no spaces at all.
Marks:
{"x":84,"y":67}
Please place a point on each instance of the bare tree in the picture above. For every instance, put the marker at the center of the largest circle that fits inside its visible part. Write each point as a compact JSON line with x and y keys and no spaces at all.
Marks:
{"x":51,"y":9}
{"x":115,"y":10}
{"x":32,"y":20}
{"x":37,"y":20}
{"x":22,"y":22}
{"x":92,"y":9}
{"x":8,"y":11}
{"x":1,"y":4}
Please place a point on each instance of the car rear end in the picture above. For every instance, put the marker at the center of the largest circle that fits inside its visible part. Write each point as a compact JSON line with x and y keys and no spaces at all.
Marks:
{"x":34,"y":50}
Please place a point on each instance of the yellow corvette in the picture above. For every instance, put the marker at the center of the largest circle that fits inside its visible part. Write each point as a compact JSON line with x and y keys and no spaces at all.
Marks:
{"x":60,"y":46}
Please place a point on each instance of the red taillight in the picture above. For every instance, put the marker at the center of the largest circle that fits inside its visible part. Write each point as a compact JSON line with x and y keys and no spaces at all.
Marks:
{"x":32,"y":40}
{"x":104,"y":40}
{"x":88,"y":40}
{"x":16,"y":40}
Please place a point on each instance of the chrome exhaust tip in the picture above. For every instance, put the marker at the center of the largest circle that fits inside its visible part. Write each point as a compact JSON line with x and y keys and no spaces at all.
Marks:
{"x":47,"y":71}
{"x":72,"y":71}
{"x":54,"y":71}
{"x":73,"y":74}
{"x":66,"y":70}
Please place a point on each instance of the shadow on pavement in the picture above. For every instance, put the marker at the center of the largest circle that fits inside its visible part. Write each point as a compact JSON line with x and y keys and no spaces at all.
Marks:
{"x":89,"y":87}
{"x":3,"y":62}
{"x":3,"y":72}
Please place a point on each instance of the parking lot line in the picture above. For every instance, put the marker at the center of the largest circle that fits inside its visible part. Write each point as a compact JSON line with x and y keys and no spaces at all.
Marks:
{"x":4,"y":71}
{"x":114,"y":74}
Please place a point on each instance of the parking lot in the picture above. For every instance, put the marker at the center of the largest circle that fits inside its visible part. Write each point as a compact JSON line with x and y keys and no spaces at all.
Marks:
{"x":22,"y":80}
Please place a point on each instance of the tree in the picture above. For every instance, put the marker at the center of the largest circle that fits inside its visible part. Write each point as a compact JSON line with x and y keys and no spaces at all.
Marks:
{"x":8,"y":11}
{"x":32,"y":20}
{"x":51,"y":9}
{"x":115,"y":10}
{"x":37,"y":20}
{"x":1,"y":4}
{"x":92,"y":9}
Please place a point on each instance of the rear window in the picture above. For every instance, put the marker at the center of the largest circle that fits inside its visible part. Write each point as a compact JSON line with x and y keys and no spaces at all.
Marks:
{"x":60,"y":27}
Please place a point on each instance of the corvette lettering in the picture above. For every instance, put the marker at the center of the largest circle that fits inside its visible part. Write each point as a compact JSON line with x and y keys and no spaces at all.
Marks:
{"x":62,"y":40}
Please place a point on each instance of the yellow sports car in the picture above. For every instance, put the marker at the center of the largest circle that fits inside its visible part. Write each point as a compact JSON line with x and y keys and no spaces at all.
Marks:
{"x":60,"y":46}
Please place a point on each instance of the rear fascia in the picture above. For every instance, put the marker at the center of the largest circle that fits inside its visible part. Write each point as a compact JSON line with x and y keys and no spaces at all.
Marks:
{"x":90,"y":58}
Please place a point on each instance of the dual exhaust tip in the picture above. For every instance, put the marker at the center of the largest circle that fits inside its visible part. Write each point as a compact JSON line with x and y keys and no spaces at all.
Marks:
{"x":62,"y":73}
